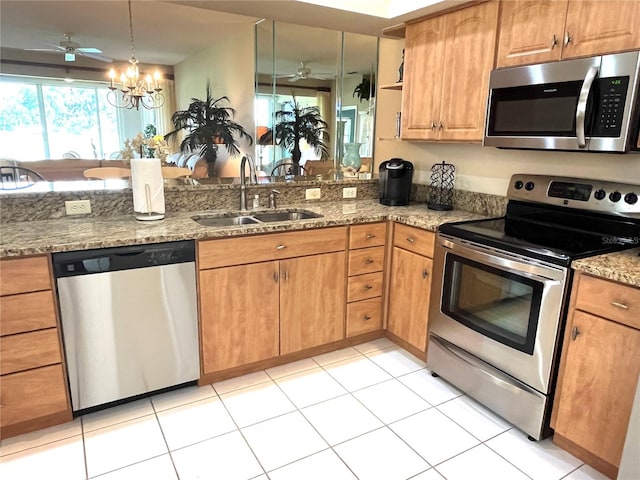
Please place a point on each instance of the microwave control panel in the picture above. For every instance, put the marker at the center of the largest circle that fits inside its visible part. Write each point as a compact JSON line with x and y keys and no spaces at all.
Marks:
{"x":611,"y":97}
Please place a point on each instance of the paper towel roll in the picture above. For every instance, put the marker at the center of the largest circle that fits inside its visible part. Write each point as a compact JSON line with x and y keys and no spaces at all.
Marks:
{"x":148,"y":188}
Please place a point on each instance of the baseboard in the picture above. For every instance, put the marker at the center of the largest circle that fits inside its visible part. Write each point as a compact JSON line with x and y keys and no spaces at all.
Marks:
{"x":587,"y":457}
{"x":36,"y":424}
{"x":416,"y":352}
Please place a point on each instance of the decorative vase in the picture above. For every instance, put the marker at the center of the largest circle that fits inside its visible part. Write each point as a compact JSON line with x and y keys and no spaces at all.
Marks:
{"x":352,"y":156}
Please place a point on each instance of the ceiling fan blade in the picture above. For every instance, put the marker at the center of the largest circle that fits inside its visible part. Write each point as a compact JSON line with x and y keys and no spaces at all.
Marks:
{"x":95,"y":56}
{"x":295,"y":78}
{"x":88,"y":50}
{"x":57,"y":50}
{"x":286,"y":76}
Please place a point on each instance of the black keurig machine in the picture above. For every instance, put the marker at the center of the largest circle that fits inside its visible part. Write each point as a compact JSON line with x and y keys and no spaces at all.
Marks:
{"x":395,"y":181}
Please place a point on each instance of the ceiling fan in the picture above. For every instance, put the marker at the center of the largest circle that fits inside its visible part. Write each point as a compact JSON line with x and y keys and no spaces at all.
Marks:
{"x":71,"y":49}
{"x":304,"y":73}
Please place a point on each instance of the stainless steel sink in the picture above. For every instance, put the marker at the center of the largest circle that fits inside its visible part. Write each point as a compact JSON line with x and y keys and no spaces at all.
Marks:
{"x":233,"y":219}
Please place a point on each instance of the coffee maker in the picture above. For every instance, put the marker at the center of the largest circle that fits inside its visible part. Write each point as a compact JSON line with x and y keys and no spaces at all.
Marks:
{"x":395,"y":181}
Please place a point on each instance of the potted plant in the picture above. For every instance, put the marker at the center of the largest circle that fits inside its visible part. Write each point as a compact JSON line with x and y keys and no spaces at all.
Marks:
{"x":295,"y":123}
{"x":208,"y":124}
{"x":365,"y":89}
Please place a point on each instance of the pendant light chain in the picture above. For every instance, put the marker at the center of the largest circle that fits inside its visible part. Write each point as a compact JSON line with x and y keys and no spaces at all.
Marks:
{"x":133,"y":48}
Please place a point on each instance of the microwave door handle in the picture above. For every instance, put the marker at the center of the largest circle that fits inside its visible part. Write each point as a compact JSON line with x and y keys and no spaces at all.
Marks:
{"x":581,"y":111}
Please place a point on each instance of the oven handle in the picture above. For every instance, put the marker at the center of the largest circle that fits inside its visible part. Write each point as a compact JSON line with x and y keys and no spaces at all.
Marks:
{"x":581,"y":111}
{"x":499,"y":379}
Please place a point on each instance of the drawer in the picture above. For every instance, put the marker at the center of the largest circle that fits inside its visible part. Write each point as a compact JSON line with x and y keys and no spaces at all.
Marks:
{"x":273,"y":246}
{"x":32,"y":394}
{"x":611,"y":300}
{"x":364,"y":286}
{"x":364,"y":316}
{"x":366,"y":260}
{"x":367,"y":235}
{"x":414,"y":239}
{"x":26,"y":312}
{"x":29,"y":350}
{"x":21,"y":275}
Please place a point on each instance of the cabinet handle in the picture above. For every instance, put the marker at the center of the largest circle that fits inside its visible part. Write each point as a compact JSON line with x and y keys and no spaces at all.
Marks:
{"x":433,"y":125}
{"x":620,"y":305}
{"x":368,"y":287}
{"x":425,"y":273}
{"x":567,"y":38}
{"x":276,"y":277}
{"x":285,"y":275}
{"x":281,"y":247}
{"x":574,"y":333}
{"x":441,"y":126}
{"x":366,"y":317}
{"x":411,"y":239}
{"x":554,"y":41}
{"x":369,"y":261}
{"x":370,"y":236}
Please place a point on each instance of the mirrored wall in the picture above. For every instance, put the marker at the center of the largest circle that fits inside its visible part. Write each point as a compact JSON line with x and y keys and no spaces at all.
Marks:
{"x":330,"y":70}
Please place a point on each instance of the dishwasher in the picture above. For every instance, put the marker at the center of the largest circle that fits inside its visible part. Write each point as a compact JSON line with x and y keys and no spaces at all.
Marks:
{"x":129,"y":321}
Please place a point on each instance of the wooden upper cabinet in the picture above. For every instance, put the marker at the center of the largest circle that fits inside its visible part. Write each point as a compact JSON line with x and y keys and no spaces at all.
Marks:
{"x":422,"y":89}
{"x":598,"y":27}
{"x":531,"y":31}
{"x":469,"y":47}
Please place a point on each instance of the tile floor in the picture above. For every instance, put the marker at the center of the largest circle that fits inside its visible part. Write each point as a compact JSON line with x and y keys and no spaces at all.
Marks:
{"x":372,"y":412}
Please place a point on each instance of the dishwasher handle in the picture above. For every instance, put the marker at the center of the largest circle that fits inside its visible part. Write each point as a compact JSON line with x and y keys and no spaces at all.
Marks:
{"x":101,"y":260}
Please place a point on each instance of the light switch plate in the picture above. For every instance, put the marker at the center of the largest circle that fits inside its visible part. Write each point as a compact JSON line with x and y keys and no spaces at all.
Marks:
{"x":77,"y":207}
{"x":349,"y":192}
{"x":312,"y":194}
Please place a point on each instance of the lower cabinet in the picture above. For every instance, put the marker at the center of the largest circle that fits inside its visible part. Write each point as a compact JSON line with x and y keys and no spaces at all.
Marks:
{"x":410,"y":285}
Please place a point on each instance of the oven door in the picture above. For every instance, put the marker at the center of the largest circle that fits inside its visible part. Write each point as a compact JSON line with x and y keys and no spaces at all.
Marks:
{"x":503,"y":308}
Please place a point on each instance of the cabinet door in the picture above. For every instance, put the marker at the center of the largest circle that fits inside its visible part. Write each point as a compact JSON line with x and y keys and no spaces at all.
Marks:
{"x":421,"y":92}
{"x":598,"y":27}
{"x":531,"y":31}
{"x":470,"y":50}
{"x":598,"y":385}
{"x":238,"y":315}
{"x":312,"y":301}
{"x":409,"y":297}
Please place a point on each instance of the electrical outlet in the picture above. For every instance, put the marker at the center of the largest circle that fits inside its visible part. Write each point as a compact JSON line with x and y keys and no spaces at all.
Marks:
{"x":77,"y":207}
{"x":349,"y":192}
{"x":312,"y":194}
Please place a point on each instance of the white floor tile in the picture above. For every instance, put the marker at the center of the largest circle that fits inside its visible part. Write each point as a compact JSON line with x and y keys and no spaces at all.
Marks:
{"x":182,"y":396}
{"x":396,"y":361}
{"x":341,"y":419}
{"x":378,"y":344}
{"x":433,"y":390}
{"x":380,"y":455}
{"x":195,"y":422}
{"x":119,"y":414}
{"x":158,"y":468}
{"x":325,"y":465}
{"x":356,"y":373}
{"x":225,"y":457}
{"x":391,"y":400}
{"x":481,"y":422}
{"x":283,"y":440}
{"x":261,"y":477}
{"x":430,"y":474}
{"x":585,"y":472}
{"x":291,"y":368}
{"x":434,"y":436}
{"x":337,"y":356}
{"x":479,"y":463}
{"x":540,"y":460}
{"x":257,"y":403}
{"x":123,"y":444}
{"x":309,"y":387}
{"x":243,"y":381}
{"x":61,"y":460}
{"x":40,"y":437}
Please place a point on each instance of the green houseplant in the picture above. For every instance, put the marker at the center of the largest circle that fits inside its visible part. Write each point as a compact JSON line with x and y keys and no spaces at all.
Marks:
{"x":295,"y":123}
{"x":209,"y":124}
{"x":365,"y":89}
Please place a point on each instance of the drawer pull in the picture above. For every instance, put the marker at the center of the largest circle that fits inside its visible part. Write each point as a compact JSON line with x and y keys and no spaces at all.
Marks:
{"x":285,"y":275}
{"x":369,"y":261}
{"x":574,"y":333}
{"x":366,"y":317}
{"x":370,"y":236}
{"x":368,"y":287}
{"x":281,"y":247}
{"x":425,"y":273}
{"x":620,"y":305}
{"x":411,"y":239}
{"x":275,"y":277}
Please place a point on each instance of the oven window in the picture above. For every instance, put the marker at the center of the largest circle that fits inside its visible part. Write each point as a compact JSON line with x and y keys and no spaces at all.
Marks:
{"x":503,"y":306}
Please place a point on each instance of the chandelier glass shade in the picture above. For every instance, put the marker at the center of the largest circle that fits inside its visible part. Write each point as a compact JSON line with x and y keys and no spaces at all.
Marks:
{"x":128,"y":89}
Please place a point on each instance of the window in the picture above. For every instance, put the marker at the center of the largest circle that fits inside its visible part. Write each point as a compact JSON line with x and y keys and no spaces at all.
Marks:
{"x":47,"y":118}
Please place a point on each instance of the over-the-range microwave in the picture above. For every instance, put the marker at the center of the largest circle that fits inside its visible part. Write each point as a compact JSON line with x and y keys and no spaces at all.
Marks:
{"x":588,"y":104}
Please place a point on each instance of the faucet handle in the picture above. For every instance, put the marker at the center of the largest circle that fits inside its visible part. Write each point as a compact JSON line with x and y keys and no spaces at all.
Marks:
{"x":272,"y":198}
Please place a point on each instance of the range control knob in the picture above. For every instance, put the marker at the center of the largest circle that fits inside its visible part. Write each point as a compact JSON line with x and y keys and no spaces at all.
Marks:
{"x":631,"y":198}
{"x":600,"y":194}
{"x":615,"y":196}
{"x":518,"y":184}
{"x":529,"y":186}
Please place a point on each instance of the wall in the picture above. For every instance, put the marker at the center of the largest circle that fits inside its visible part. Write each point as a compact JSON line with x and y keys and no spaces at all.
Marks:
{"x":482,"y":169}
{"x":229,"y":65}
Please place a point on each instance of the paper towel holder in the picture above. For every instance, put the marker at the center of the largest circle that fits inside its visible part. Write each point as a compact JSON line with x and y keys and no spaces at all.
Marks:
{"x":150,"y":215}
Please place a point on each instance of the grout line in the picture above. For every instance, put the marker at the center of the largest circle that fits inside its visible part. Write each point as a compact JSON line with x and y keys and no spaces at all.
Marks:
{"x":84,"y":449}
{"x":164,"y":437}
{"x":506,"y":459}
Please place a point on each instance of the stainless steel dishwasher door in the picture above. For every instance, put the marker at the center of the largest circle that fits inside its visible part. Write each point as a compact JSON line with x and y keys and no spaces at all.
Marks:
{"x":129,"y":332}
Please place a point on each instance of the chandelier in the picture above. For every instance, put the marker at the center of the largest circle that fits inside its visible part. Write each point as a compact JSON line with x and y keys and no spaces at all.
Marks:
{"x":132,"y":91}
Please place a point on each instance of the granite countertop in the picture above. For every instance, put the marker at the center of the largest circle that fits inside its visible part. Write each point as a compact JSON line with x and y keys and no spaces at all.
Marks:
{"x":44,"y":236}
{"x":623,"y":267}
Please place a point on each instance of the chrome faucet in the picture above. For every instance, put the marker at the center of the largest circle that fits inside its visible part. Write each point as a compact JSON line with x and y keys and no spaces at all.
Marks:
{"x":253,"y":178}
{"x":272,"y":198}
